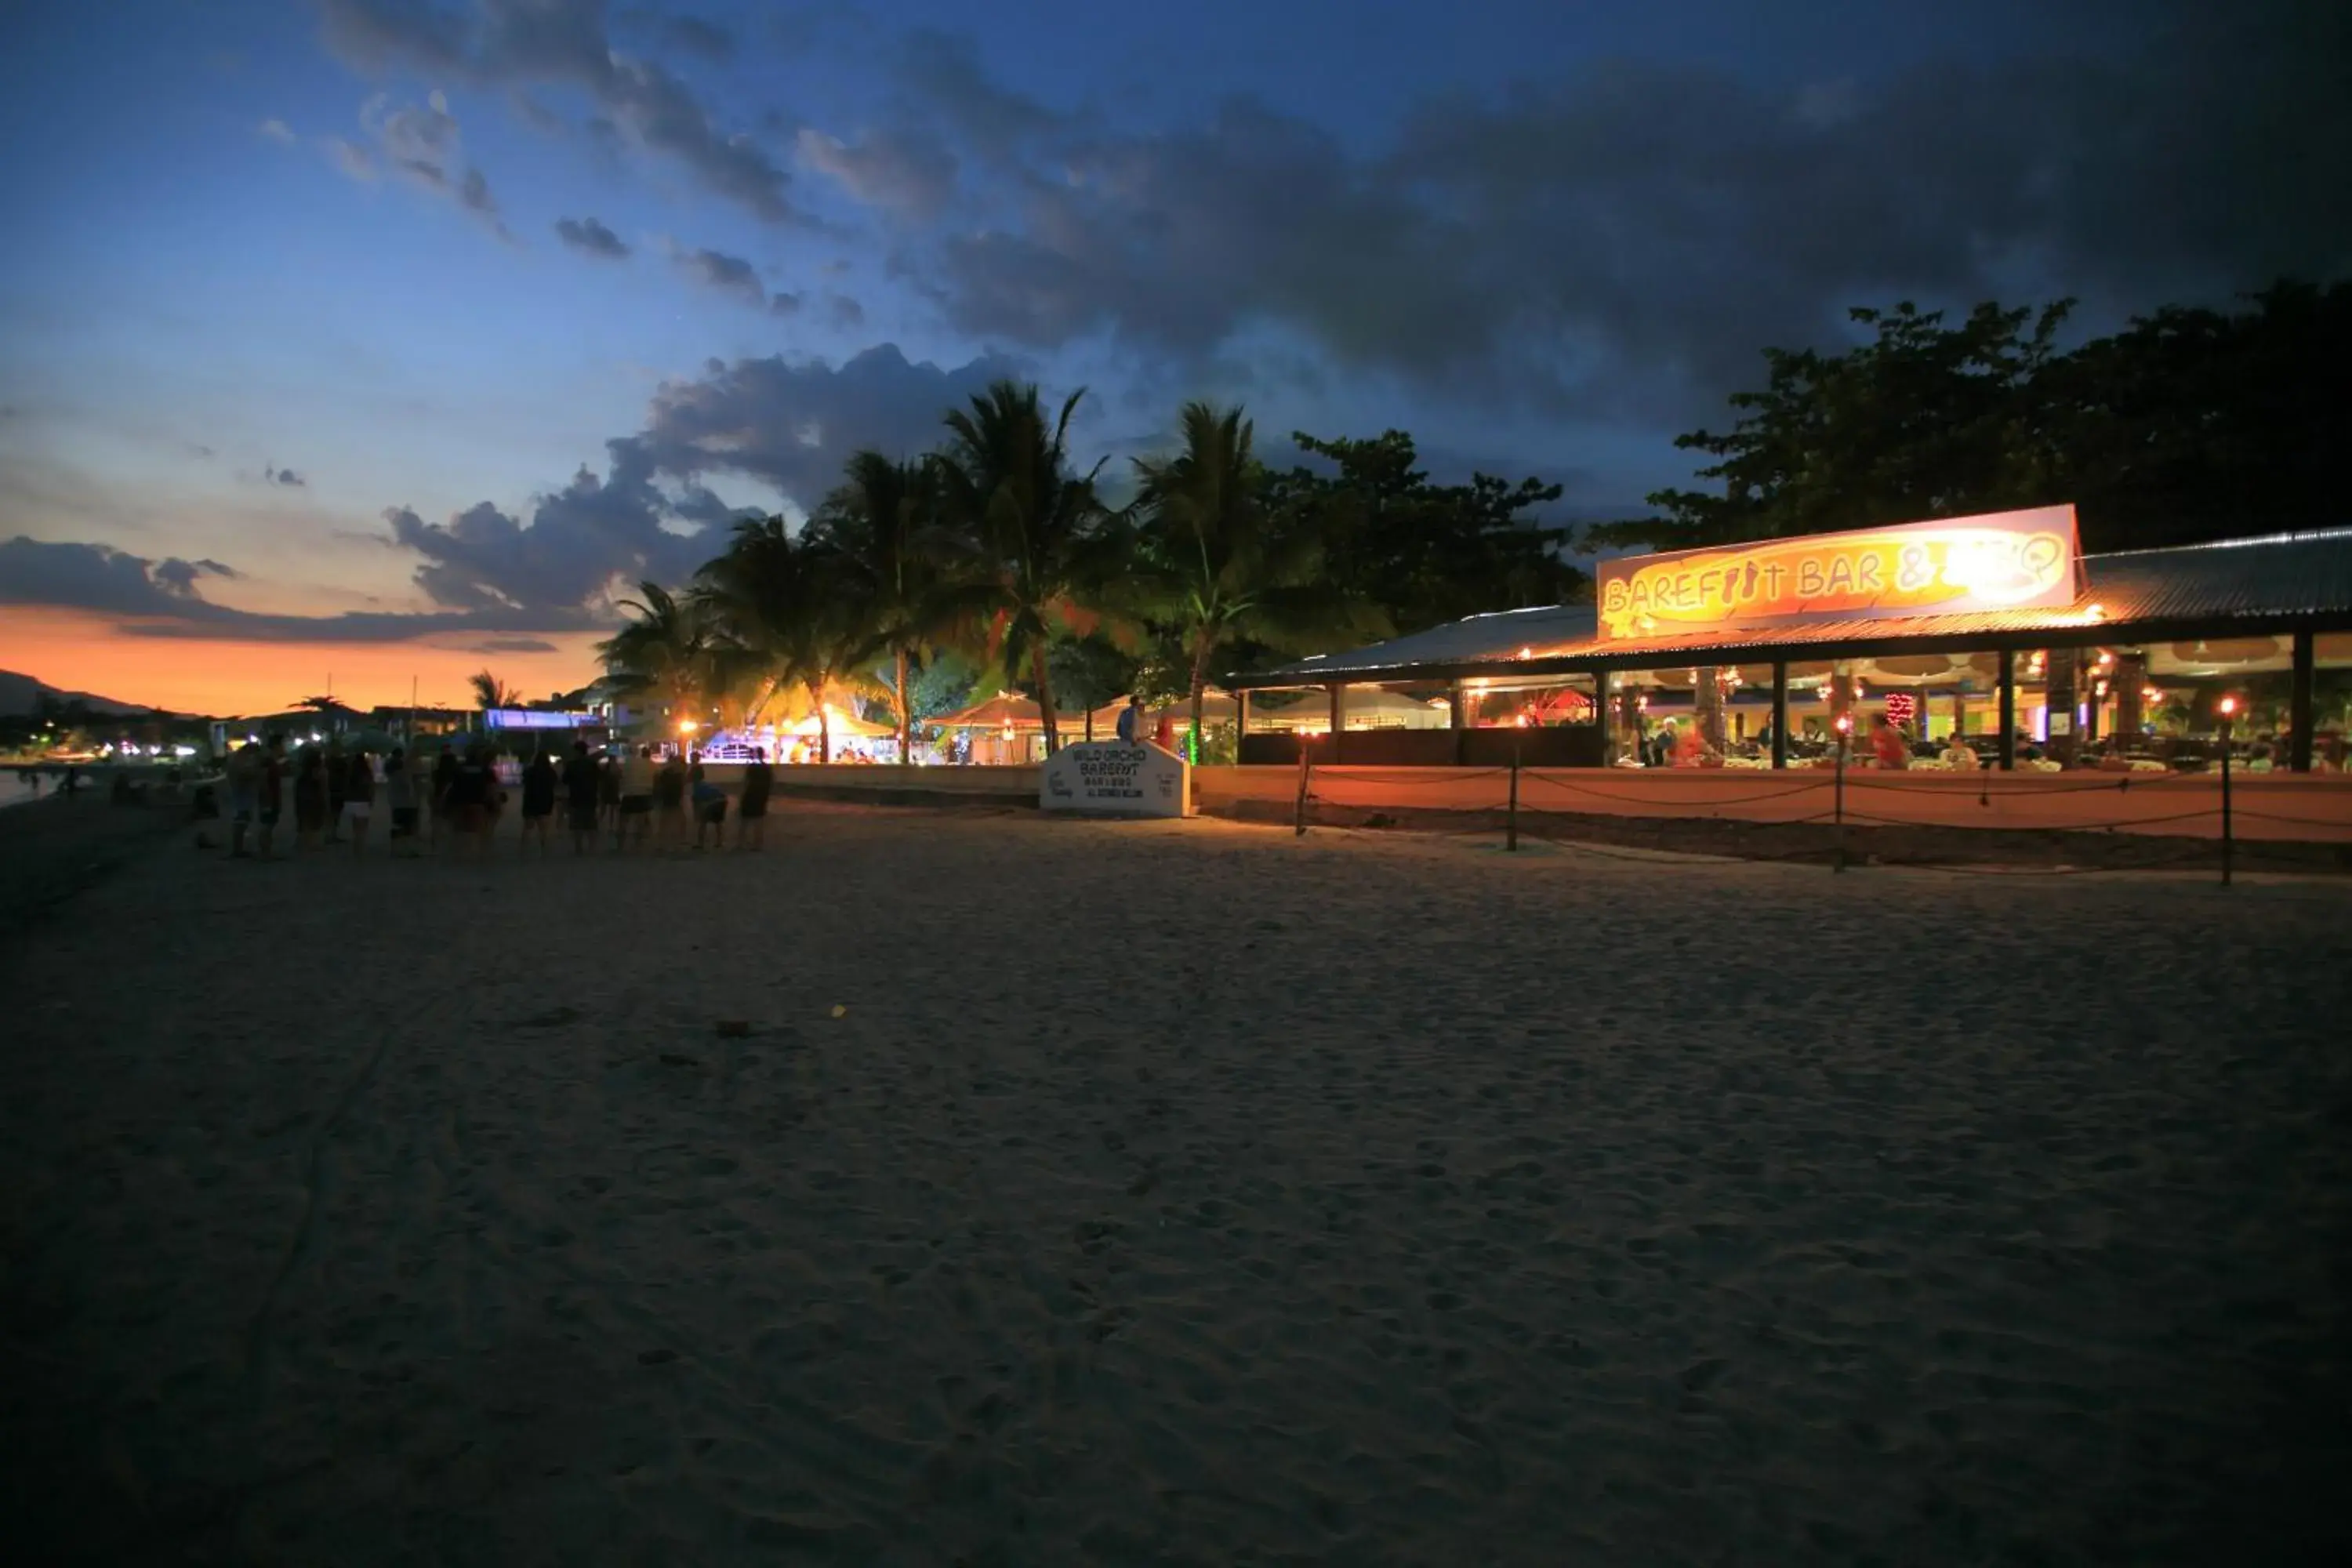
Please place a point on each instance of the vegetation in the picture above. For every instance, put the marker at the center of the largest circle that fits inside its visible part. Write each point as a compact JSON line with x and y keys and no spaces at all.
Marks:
{"x":926,"y":581}
{"x":2190,"y":425}
{"x":490,"y":692}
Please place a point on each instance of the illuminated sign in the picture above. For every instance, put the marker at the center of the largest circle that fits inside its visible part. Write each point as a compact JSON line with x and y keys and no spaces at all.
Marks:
{"x":2003,"y":561}
{"x":536,"y":718}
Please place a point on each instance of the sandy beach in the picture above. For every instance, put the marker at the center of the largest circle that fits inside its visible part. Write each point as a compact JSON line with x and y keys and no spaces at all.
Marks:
{"x":1174,"y":1193}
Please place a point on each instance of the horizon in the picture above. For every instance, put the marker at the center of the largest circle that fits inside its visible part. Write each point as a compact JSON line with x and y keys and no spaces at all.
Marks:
{"x":384,"y":343}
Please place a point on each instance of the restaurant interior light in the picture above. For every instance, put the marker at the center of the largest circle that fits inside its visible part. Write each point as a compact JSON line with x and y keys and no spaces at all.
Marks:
{"x":2228,"y":705}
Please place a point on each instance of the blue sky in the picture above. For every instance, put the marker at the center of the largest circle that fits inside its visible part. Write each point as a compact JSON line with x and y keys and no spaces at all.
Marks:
{"x":286,"y":293}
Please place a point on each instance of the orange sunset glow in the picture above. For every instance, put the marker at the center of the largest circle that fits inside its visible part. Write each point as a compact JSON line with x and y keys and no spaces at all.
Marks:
{"x":82,"y":652}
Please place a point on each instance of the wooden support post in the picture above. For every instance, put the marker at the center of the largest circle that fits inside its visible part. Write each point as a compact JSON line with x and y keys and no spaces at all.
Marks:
{"x":1511,"y":821}
{"x":1241,"y":719}
{"x":2008,"y":710}
{"x":2229,"y":844}
{"x":2130,"y":679}
{"x":2299,"y":704}
{"x":1779,"y":712}
{"x":1338,"y":721}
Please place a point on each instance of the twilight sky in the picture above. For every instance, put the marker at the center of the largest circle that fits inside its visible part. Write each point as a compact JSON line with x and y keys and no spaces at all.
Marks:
{"x":372,"y":339}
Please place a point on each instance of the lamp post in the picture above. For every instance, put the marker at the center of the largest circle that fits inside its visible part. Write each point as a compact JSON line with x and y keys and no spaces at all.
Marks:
{"x":2229,"y":710}
{"x":1844,"y":722}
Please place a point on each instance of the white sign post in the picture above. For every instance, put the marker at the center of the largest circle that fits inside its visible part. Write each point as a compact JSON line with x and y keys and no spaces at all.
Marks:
{"x":1112,"y":778}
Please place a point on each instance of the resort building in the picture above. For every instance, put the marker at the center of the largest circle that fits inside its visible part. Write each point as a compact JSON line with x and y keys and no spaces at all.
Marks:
{"x":1986,"y":640}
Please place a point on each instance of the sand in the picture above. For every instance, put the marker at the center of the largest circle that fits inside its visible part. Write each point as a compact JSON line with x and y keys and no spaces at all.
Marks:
{"x":1172,"y":1193}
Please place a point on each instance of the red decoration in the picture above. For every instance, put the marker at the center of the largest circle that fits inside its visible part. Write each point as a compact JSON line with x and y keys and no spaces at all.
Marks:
{"x":1901,"y":708}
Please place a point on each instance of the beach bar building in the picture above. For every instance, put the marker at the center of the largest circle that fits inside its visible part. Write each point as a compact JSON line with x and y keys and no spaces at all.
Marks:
{"x":1991,"y":634}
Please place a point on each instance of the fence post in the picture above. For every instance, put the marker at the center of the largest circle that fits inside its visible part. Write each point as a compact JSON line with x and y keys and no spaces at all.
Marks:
{"x":1511,"y":820}
{"x":1837,"y":798}
{"x":1298,"y":819}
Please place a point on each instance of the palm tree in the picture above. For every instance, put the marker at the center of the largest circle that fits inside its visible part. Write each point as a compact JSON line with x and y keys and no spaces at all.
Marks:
{"x":1212,"y":564}
{"x":1038,"y":529}
{"x":786,"y":607}
{"x":881,"y":528}
{"x":664,"y":653}
{"x":490,"y":692}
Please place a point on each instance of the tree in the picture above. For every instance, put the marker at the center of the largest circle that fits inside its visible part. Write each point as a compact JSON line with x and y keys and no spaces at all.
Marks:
{"x":1214,"y":566}
{"x":665,"y":653}
{"x":2190,"y":425}
{"x":1041,"y":536}
{"x":1424,"y":554}
{"x":2193,"y":425}
{"x":786,"y":607}
{"x":1923,"y":421}
{"x":882,"y":528}
{"x":490,"y":692}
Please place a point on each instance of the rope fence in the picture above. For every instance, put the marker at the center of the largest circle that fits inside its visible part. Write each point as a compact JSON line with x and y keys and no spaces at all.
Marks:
{"x":1499,"y":791}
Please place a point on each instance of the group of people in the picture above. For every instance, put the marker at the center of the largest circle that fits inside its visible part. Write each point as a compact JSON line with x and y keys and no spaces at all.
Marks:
{"x":335,"y":793}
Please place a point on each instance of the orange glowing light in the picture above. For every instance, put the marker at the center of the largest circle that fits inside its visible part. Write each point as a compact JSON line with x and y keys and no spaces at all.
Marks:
{"x":687,"y":726}
{"x":2228,"y":705}
{"x":1846,"y":723}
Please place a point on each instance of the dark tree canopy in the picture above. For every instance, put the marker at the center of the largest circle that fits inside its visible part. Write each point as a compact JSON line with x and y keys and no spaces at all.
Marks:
{"x":2190,"y":425}
{"x":1424,"y":554}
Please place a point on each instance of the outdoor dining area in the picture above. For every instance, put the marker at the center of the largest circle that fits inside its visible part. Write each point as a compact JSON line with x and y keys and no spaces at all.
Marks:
{"x":1989,"y":643}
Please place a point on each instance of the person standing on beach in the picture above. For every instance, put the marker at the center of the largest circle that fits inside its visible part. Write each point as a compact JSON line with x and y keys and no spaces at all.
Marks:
{"x":271,"y":799}
{"x":636,"y":797}
{"x":338,"y":770}
{"x":444,"y":776}
{"x":359,"y":798}
{"x":310,"y":799}
{"x":473,"y":787}
{"x":608,"y":792}
{"x":400,"y":795}
{"x":584,"y":783}
{"x":244,"y":774}
{"x":710,"y":809}
{"x":752,"y":810}
{"x":538,"y":800}
{"x":669,"y":802}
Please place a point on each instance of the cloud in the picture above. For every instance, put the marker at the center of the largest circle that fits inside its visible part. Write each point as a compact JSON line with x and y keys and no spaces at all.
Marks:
{"x":579,"y":540}
{"x":516,"y":42}
{"x":944,"y":72}
{"x":1620,"y":241}
{"x":161,"y":599}
{"x":784,"y":304}
{"x":98,"y":577}
{"x":178,"y":577}
{"x":792,"y":425}
{"x":277,"y":131}
{"x":844,"y":312}
{"x":422,"y":144}
{"x":590,"y":238}
{"x":277,"y":476}
{"x":686,"y":34}
{"x":726,"y":274}
{"x":909,"y":172}
{"x":356,"y":162}
{"x":513,"y":645}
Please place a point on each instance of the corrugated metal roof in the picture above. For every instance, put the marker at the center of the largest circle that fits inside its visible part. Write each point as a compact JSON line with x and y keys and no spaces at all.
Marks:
{"x":2283,"y":577}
